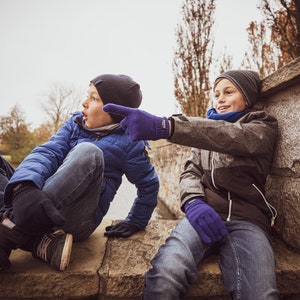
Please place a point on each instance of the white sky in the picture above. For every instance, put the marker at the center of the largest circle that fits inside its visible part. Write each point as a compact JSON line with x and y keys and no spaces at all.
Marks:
{"x":72,"y":41}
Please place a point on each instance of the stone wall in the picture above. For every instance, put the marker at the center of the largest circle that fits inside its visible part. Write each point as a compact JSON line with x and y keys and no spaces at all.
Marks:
{"x":280,"y":98}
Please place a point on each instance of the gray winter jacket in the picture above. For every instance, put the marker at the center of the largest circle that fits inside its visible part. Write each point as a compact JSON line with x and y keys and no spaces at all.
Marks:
{"x":229,"y":164}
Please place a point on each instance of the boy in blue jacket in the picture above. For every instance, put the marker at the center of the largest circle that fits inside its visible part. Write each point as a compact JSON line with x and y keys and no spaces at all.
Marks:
{"x":63,"y":188}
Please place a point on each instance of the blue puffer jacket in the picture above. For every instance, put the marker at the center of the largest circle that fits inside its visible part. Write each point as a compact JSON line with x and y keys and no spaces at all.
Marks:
{"x":121,"y":156}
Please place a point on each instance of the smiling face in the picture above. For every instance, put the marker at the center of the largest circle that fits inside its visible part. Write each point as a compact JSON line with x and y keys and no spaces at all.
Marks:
{"x":93,"y":114}
{"x":227,"y":98}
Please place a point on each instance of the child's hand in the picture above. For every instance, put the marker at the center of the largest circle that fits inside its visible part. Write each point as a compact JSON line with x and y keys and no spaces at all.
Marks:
{"x":122,"y":229}
{"x":205,"y":220}
{"x":33,"y":211}
{"x":139,"y":124}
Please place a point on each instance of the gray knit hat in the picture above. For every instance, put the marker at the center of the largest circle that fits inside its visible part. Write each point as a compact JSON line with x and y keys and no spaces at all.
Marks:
{"x":118,"y":89}
{"x":247,"y":82}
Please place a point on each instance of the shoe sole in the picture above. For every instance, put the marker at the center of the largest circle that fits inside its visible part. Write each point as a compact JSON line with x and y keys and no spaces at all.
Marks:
{"x":66,"y":253}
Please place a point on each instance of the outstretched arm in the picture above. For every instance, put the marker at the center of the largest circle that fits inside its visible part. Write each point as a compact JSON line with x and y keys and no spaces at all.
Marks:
{"x":139,"y":124}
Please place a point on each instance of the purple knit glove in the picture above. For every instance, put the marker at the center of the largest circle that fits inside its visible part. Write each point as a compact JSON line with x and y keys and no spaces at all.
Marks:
{"x":139,"y":124}
{"x":205,"y":220}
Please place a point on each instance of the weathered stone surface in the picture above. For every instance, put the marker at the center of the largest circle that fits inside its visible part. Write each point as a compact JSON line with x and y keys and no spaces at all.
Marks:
{"x":283,"y":186}
{"x":287,"y":270}
{"x":284,"y":194}
{"x":282,"y":78}
{"x":285,"y":106}
{"x":30,"y":278}
{"x":126,"y":260}
{"x":169,"y":162}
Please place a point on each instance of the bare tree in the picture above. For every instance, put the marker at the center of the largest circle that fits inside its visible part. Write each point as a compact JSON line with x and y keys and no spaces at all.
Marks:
{"x":61,"y":101}
{"x":282,"y":17}
{"x":225,"y":62}
{"x":193,"y":56}
{"x":264,"y":55}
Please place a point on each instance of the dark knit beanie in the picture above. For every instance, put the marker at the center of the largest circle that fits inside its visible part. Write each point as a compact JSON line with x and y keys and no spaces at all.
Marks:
{"x":118,"y":89}
{"x":247,"y":82}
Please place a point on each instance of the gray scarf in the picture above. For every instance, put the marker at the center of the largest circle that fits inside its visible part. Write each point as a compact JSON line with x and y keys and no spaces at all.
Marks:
{"x":103,"y":130}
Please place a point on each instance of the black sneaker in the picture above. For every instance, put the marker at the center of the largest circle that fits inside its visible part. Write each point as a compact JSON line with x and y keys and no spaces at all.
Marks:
{"x":54,"y":248}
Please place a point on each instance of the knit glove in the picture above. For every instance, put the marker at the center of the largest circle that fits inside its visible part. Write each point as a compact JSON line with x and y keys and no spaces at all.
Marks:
{"x":139,"y":124}
{"x":122,"y":229}
{"x":205,"y":220}
{"x":33,"y":211}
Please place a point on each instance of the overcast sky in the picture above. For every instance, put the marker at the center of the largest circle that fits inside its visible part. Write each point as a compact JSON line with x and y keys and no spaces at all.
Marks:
{"x":72,"y":41}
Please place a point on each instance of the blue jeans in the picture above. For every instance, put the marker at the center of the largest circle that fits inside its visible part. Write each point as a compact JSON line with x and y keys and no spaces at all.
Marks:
{"x":246,"y":261}
{"x":75,"y":189}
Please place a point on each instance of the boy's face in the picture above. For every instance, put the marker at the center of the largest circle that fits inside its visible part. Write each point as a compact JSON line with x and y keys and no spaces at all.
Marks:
{"x":227,"y":98}
{"x":93,"y":114}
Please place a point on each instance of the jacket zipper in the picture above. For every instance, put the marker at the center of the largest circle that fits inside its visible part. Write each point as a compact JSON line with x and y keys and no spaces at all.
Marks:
{"x":215,"y":186}
{"x":271,"y":208}
{"x":229,"y":207}
{"x":213,"y":170}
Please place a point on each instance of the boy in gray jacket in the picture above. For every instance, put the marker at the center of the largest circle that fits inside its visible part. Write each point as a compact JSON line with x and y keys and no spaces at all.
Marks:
{"x":221,"y":191}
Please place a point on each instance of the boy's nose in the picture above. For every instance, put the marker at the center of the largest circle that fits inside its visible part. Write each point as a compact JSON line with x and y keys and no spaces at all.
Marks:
{"x":221,"y":98}
{"x":84,"y":103}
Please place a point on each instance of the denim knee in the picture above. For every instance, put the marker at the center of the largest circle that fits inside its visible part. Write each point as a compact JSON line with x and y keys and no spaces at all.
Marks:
{"x":87,"y":153}
{"x":175,"y":264}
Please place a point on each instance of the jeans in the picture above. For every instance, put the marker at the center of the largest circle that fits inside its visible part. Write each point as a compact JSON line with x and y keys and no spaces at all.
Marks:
{"x":246,"y":260}
{"x":74,"y":188}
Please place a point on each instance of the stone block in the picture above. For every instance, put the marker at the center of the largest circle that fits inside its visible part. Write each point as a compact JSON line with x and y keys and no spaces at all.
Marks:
{"x":127,"y":260}
{"x":31,"y":278}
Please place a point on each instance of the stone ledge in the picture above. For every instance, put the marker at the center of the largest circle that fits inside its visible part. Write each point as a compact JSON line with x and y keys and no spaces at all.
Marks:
{"x":113,"y":269}
{"x":29,"y":278}
{"x":282,"y":78}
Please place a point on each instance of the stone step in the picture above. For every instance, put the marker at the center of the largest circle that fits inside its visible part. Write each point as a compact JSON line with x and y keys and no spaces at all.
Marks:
{"x":113,"y":269}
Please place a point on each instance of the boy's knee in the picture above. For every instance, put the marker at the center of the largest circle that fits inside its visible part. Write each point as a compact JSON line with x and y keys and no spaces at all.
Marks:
{"x":88,"y":151}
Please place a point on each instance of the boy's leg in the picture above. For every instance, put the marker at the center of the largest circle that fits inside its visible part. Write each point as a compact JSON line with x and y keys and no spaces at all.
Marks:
{"x":175,"y":264}
{"x":9,"y":237}
{"x":247,"y":262}
{"x":75,"y":189}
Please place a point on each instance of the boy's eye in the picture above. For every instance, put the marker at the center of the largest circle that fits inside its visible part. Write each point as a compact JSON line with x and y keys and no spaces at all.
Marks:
{"x":229,"y":92}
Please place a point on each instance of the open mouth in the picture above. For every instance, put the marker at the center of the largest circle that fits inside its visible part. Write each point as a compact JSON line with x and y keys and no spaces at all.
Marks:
{"x":84,"y":116}
{"x":223,"y":108}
